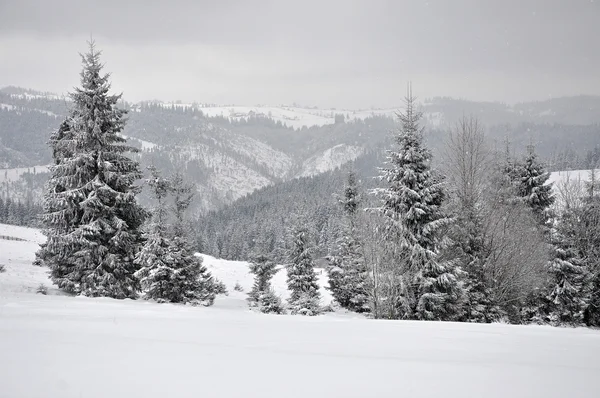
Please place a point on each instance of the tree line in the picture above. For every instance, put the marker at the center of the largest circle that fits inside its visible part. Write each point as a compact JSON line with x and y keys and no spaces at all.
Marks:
{"x":482,"y":243}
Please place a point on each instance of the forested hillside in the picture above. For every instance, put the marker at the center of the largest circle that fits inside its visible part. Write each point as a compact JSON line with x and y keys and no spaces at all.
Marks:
{"x":231,"y":152}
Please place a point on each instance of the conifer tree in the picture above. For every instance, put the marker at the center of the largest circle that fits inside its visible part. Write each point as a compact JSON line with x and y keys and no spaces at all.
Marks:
{"x":302,"y":279}
{"x":91,"y":216}
{"x":169,"y":269}
{"x":262,"y":295}
{"x":154,"y":262}
{"x":530,"y":178}
{"x":412,"y":209}
{"x":348,"y":272}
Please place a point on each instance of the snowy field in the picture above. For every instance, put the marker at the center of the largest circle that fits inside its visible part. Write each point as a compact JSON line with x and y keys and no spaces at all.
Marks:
{"x":59,"y":346}
{"x":10,"y":175}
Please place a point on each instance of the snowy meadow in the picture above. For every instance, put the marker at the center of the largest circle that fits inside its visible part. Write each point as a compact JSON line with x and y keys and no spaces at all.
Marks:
{"x":61,"y":346}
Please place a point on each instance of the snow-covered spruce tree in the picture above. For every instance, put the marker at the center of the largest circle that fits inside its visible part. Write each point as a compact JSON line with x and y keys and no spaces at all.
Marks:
{"x":262,"y":295}
{"x":91,"y":216}
{"x":414,"y":219}
{"x":191,"y":281}
{"x":530,"y":179}
{"x":60,"y":141}
{"x":263,"y":270}
{"x":588,"y":243}
{"x":348,"y":272}
{"x":566,"y":297}
{"x":155,"y":265}
{"x":302,"y":279}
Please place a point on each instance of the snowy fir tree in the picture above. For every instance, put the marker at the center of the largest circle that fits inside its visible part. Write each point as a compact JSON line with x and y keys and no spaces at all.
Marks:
{"x":263,"y":270}
{"x":530,"y":179}
{"x":348,"y":272}
{"x":468,"y":250}
{"x":411,"y":206}
{"x":302,"y":279}
{"x":261,"y":295}
{"x":91,"y":217}
{"x":156,"y":267}
{"x":169,"y":271}
{"x":566,"y":300}
{"x":588,"y":243}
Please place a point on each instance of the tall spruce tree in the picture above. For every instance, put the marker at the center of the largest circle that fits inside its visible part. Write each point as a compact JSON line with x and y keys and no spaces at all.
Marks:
{"x":91,"y":217}
{"x":412,"y":208}
{"x":348,"y":272}
{"x":302,"y":279}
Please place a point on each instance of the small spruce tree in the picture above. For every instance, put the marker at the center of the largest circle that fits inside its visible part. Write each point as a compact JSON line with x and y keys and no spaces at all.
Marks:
{"x":530,"y":179}
{"x":169,"y":269}
{"x":302,"y":280}
{"x":262,"y":295}
{"x":348,"y":273}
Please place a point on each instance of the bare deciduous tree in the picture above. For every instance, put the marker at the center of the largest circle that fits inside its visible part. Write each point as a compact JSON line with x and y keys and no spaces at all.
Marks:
{"x":570,"y":192}
{"x":467,"y":161}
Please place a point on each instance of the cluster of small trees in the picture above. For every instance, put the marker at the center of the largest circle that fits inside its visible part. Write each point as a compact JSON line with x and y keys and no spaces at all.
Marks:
{"x":480,"y":244}
{"x":96,"y":243}
{"x":302,"y":280}
{"x":17,"y":212}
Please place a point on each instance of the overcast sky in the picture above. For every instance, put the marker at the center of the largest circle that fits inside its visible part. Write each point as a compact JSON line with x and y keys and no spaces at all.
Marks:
{"x":352,"y":54}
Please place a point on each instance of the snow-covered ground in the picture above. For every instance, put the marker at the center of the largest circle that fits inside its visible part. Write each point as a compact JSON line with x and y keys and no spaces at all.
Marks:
{"x":576,"y":176}
{"x":330,"y":159}
{"x":59,"y":346}
{"x":10,"y":175}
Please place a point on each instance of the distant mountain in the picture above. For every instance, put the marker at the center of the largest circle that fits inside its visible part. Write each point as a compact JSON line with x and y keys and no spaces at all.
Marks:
{"x":231,"y":151}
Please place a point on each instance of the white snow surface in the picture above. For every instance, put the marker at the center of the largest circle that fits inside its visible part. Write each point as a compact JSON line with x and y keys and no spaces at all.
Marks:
{"x":330,"y":159}
{"x":59,"y":346}
{"x":10,"y":175}
{"x":578,"y":176}
{"x":146,"y":145}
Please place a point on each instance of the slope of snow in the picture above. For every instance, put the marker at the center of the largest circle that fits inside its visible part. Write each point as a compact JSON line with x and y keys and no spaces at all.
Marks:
{"x":237,"y":272}
{"x":330,"y":159}
{"x":58,"y":346}
{"x":569,"y":186}
{"x":10,"y":175}
{"x":278,"y":163}
{"x":569,"y":175}
{"x":17,"y":255}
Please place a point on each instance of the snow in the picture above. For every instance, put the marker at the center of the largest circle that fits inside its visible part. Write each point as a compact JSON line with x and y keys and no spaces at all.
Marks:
{"x":569,"y":175}
{"x":569,"y":185}
{"x":291,"y":116}
{"x":146,"y":145}
{"x":330,"y":159}
{"x":10,"y":175}
{"x":237,"y":272}
{"x":59,"y":346}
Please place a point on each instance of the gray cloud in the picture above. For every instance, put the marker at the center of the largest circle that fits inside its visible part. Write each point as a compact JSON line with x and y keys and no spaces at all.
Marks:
{"x":329,"y":53}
